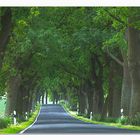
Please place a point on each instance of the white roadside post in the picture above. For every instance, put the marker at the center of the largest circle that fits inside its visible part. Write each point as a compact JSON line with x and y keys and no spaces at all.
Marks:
{"x":26,"y":117}
{"x":86,"y":111}
{"x":77,"y":111}
{"x":91,"y":116}
{"x":15,"y":120}
{"x":122,"y":116}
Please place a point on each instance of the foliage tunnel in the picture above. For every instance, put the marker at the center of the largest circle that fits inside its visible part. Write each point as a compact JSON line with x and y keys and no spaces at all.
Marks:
{"x":88,"y":57}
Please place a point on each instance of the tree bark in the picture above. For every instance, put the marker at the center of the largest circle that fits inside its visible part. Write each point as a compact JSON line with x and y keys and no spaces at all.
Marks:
{"x":46,"y":97}
{"x":126,"y":87}
{"x":6,"y":25}
{"x":12,"y":92}
{"x":97,"y":78}
{"x":82,"y":102}
{"x":105,"y":108}
{"x":43,"y":99}
{"x":26,"y":98}
{"x":115,"y":90}
{"x":19,"y":103}
{"x":98,"y":94}
{"x":31,"y":102}
{"x":134,"y":65}
{"x":90,"y":103}
{"x":86,"y":103}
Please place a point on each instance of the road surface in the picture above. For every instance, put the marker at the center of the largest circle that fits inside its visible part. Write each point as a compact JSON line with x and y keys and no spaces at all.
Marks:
{"x":54,"y":119}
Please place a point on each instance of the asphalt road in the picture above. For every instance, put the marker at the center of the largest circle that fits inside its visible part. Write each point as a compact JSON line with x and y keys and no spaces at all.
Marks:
{"x":54,"y":119}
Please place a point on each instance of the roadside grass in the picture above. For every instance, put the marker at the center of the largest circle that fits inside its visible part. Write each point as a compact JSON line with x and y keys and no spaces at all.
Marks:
{"x":118,"y":125}
{"x":13,"y":129}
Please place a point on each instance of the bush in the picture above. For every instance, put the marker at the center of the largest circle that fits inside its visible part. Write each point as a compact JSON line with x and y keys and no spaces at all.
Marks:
{"x":124,"y":120}
{"x":135,"y":120}
{"x":130,"y":121}
{"x":110,"y":119}
{"x":64,"y":103}
{"x":97,"y":117}
{"x":4,"y":122}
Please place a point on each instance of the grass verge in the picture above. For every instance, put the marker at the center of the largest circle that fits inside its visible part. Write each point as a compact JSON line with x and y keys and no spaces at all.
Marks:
{"x":13,"y":129}
{"x":118,"y":125}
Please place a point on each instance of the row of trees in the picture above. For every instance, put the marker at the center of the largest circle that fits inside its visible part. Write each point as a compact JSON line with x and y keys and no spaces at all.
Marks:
{"x":87,"y":56}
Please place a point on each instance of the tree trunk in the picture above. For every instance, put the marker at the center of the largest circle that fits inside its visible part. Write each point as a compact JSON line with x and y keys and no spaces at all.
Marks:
{"x":39,"y":99}
{"x":90,"y":103}
{"x":13,"y":89}
{"x":43,"y":99}
{"x":31,"y":103}
{"x":86,"y":103}
{"x":25,"y":101}
{"x":46,"y":97}
{"x":82,"y":103}
{"x":54,"y":96}
{"x":105,"y":107}
{"x":115,"y":90}
{"x":98,"y":93}
{"x":110,"y":96}
{"x":126,"y":87}
{"x":134,"y":65}
{"x":6,"y":25}
{"x":19,"y":103}
{"x":97,"y":78}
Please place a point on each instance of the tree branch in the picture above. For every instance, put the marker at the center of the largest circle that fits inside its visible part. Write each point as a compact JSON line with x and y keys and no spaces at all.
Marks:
{"x":68,"y":71}
{"x":114,"y":17}
{"x":114,"y":58}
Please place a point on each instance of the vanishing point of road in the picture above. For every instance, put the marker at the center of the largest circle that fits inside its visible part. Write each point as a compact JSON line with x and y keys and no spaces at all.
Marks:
{"x":54,"y":119}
